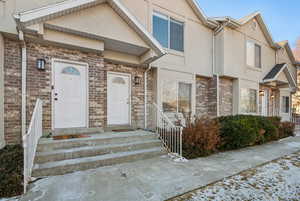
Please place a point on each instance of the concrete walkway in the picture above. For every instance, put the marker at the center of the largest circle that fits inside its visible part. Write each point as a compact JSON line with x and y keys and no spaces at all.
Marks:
{"x":155,"y":179}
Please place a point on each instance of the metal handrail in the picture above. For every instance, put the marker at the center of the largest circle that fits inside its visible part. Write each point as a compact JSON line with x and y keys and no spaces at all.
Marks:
{"x":170,"y":135}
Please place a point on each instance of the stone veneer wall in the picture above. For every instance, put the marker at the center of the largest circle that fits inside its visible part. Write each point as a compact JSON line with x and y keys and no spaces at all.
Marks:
{"x":39,"y":86}
{"x":206,"y":96}
{"x":225,"y":96}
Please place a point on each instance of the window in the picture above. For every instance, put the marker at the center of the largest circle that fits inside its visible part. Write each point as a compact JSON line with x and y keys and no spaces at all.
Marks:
{"x":184,"y":98}
{"x":285,"y":105}
{"x":253,"y":54}
{"x":249,"y":101}
{"x":177,"y":97}
{"x":70,"y":71}
{"x":169,"y":96}
{"x":168,"y":31}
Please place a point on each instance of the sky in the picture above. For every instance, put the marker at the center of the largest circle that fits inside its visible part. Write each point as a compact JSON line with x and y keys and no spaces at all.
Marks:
{"x":282,"y":17}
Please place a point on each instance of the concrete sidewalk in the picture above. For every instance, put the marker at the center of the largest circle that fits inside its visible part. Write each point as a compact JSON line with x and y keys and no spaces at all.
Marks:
{"x":155,"y":179}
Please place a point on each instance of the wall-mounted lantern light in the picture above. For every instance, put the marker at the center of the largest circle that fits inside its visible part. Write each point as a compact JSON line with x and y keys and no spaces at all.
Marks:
{"x":40,"y":64}
{"x":261,"y":93}
{"x":137,"y":80}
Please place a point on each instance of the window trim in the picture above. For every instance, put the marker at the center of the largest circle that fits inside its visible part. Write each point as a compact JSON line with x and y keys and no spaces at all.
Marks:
{"x":284,"y":108}
{"x":177,"y":94}
{"x":255,"y":44}
{"x":257,"y":102}
{"x":174,"y":19}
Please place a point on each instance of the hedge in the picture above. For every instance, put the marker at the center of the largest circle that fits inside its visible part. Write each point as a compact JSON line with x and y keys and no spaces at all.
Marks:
{"x":232,"y":132}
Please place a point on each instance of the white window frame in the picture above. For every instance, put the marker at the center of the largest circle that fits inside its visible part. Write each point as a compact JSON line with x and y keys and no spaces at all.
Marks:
{"x":254,"y":55}
{"x":169,"y":18}
{"x":281,"y":105}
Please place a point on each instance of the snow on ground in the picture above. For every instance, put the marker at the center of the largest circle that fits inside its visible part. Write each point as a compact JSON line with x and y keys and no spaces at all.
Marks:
{"x":275,"y":181}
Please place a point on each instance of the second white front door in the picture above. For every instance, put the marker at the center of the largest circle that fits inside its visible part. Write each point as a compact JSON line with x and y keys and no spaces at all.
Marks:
{"x":118,"y":98}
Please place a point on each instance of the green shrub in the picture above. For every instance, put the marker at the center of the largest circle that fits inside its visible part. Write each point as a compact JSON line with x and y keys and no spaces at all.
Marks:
{"x":238,"y":131}
{"x":286,"y":129}
{"x":11,"y":171}
{"x":201,"y":138}
{"x":268,"y":129}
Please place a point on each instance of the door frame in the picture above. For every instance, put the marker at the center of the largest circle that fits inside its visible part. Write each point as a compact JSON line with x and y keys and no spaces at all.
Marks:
{"x":130,"y":96}
{"x":56,"y":60}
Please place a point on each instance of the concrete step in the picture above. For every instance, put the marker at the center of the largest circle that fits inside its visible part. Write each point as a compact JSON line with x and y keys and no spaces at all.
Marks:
{"x":80,"y":152}
{"x":76,"y":131}
{"x":72,"y":165}
{"x":46,"y":145}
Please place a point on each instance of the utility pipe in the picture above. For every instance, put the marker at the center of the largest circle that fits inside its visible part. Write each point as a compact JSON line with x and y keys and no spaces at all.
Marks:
{"x":24,"y":70}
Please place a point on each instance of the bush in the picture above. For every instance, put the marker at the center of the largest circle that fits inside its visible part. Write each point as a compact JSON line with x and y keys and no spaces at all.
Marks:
{"x":238,"y":131}
{"x":11,"y":171}
{"x":286,"y":129}
{"x":201,"y":138}
{"x":269,"y":129}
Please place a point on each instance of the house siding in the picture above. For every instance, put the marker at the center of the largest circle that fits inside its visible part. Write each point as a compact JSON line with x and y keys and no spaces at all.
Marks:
{"x":206,"y":96}
{"x":39,"y":86}
{"x":225,"y":96}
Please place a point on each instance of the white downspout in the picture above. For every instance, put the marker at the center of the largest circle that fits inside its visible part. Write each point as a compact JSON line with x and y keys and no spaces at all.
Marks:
{"x":146,"y":95}
{"x":24,"y":70}
{"x":215,"y":73}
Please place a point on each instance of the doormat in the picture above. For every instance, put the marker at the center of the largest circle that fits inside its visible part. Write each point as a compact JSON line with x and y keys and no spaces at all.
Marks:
{"x":66,"y":137}
{"x":123,"y":130}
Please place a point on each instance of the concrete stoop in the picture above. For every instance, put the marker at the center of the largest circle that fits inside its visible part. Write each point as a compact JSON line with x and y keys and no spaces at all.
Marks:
{"x":57,"y":157}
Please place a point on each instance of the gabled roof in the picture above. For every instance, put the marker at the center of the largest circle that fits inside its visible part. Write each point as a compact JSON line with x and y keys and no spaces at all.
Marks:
{"x":199,"y":12}
{"x":276,"y":70}
{"x":233,"y":23}
{"x":285,"y":44}
{"x":55,"y":10}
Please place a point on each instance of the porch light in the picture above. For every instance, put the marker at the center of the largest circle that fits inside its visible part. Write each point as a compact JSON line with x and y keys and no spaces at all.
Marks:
{"x":272,"y":96}
{"x":137,"y":80}
{"x":40,"y":64}
{"x":261,"y":93}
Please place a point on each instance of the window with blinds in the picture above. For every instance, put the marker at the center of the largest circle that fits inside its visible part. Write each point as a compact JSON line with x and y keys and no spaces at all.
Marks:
{"x":168,"y":31}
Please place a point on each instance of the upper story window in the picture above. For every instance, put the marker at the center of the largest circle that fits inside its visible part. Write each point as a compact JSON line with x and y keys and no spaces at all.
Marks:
{"x":169,"y":32}
{"x":253,"y":54}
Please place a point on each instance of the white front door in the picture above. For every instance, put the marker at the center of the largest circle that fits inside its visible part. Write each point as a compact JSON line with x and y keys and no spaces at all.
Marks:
{"x":285,"y":105}
{"x":118,"y":99}
{"x":70,"y":95}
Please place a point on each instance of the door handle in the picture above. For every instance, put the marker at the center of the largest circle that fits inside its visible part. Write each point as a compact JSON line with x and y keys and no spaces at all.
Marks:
{"x":56,"y":99}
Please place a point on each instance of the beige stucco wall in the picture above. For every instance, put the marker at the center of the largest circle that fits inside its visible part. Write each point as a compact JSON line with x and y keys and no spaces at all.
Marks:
{"x":111,"y":25}
{"x":2,"y":141}
{"x":235,"y":63}
{"x":197,"y":55}
{"x":283,"y":57}
{"x":11,"y":7}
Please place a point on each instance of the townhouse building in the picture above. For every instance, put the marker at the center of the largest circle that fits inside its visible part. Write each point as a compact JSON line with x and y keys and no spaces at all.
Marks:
{"x":101,"y":63}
